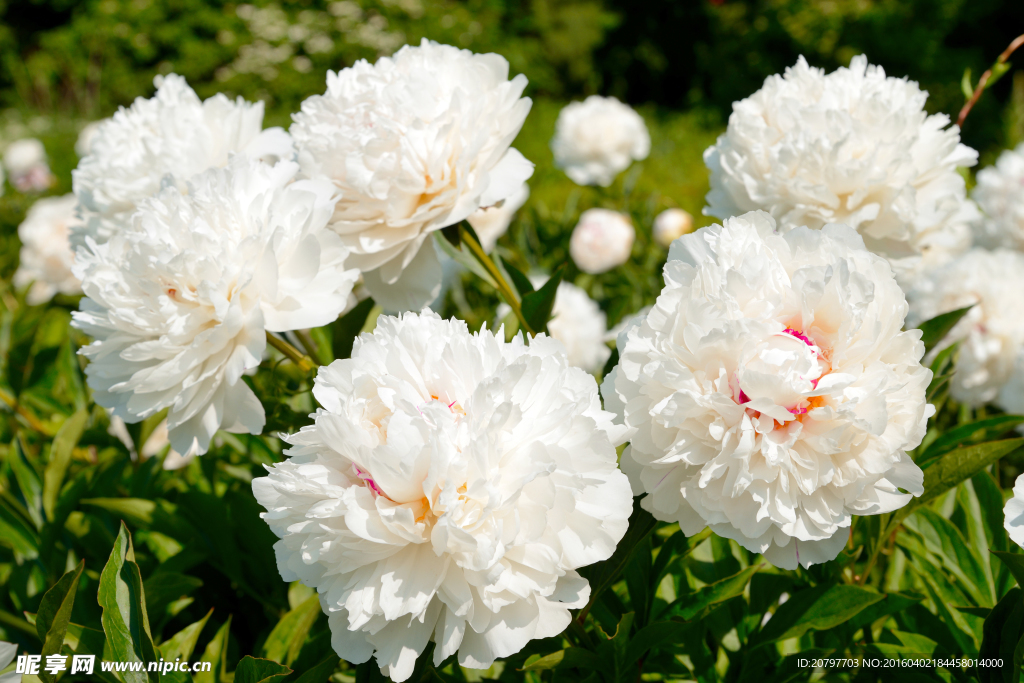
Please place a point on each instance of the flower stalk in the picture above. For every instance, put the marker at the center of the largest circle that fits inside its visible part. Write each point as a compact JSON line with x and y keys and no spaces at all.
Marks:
{"x":504,"y":288}
{"x":983,"y":82}
{"x":304,"y":362}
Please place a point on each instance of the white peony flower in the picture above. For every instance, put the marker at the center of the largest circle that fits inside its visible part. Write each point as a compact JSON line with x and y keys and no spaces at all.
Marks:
{"x":602,"y":240}
{"x":450,"y":487}
{"x":414,"y":143}
{"x":1013,"y":513}
{"x":46,"y":257}
{"x":25,"y":161}
{"x":770,"y":392}
{"x":1000,"y":195}
{"x":671,"y":224}
{"x":164,"y":141}
{"x":851,"y":147}
{"x":990,"y":361}
{"x":492,"y":222}
{"x":179,"y":305}
{"x":597,"y":139}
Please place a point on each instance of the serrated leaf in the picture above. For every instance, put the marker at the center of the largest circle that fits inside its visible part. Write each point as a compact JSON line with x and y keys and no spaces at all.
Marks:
{"x":54,"y":615}
{"x":121,"y":597}
{"x":60,"y":457}
{"x":285,"y":641}
{"x":253,"y":670}
{"x":818,"y":608}
{"x":569,"y":658}
{"x":935,"y":329}
{"x":537,"y":305}
{"x":345,"y":329}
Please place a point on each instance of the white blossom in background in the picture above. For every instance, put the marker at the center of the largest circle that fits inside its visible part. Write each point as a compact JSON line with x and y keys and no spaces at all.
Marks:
{"x":83,"y":145}
{"x":770,"y":392}
{"x":449,"y":489}
{"x":179,"y":305}
{"x":414,"y":143}
{"x":597,"y":139}
{"x":46,"y":258}
{"x":852,"y":147}
{"x":1000,"y":196}
{"x":671,"y":224}
{"x":1013,"y":513}
{"x":164,"y":141}
{"x":492,"y":222}
{"x":602,"y":240}
{"x":580,"y":324}
{"x":990,"y":361}
{"x":27,"y":166}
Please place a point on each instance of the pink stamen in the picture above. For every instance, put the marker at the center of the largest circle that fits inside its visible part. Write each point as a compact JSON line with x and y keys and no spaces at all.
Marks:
{"x":365,"y":476}
{"x":799,"y":335}
{"x":743,"y":398}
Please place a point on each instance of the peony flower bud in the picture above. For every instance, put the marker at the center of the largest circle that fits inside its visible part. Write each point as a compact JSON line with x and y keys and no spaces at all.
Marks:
{"x":597,"y":139}
{"x":602,"y":240}
{"x":27,"y":167}
{"x":670,"y":225}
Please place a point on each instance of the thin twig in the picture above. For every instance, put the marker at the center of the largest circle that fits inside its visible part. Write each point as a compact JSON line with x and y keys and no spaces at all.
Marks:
{"x":302,"y":360}
{"x":504,"y":287}
{"x":1017,"y":42}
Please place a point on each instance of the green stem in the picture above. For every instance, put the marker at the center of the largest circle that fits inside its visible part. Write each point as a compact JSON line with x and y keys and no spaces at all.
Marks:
{"x":504,"y":288}
{"x":302,"y":360}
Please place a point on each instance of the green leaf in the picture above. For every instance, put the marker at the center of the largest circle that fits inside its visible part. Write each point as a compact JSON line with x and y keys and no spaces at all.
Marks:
{"x":164,"y":588}
{"x":217,"y":654}
{"x":463,"y":258}
{"x":537,"y":305}
{"x":953,"y":468}
{"x":345,"y":329}
{"x":818,"y":608}
{"x":123,"y":602}
{"x":603,"y":574}
{"x":253,"y":670}
{"x":652,"y":636}
{"x":321,"y":671}
{"x":1014,"y":562}
{"x":698,"y":604}
{"x":28,"y":481}
{"x":285,"y":641}
{"x":934,"y":330}
{"x":60,"y":457}
{"x":943,"y":538}
{"x":1002,"y":632}
{"x":970,"y":434}
{"x":54,"y":615}
{"x":892,"y":604}
{"x":183,"y":642}
{"x":519,"y":280}
{"x":569,"y":658}
{"x":154,"y":515}
{"x":943,"y":368}
{"x":16,"y":534}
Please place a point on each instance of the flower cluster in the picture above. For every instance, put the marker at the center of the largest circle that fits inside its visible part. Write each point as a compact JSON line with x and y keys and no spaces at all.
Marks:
{"x":853,"y":147}
{"x":451,"y":486}
{"x":770,"y":392}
